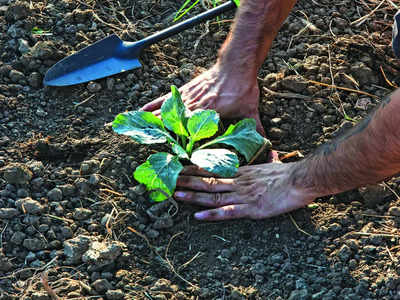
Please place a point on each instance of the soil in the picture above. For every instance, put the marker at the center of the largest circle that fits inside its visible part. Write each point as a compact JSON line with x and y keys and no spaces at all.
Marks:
{"x":75,"y":225}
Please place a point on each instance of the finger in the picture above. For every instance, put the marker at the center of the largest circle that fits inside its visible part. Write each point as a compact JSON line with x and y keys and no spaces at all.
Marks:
{"x":156,"y":104}
{"x":208,"y":199}
{"x":196,"y":171}
{"x":206,"y":184}
{"x":224,"y":213}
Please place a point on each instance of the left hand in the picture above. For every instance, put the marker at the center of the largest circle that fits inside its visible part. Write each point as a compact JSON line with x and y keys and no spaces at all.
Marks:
{"x":258,"y":191}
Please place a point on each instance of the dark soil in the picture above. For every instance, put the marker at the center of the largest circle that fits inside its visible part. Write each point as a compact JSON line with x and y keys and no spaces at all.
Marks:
{"x":75,"y":225}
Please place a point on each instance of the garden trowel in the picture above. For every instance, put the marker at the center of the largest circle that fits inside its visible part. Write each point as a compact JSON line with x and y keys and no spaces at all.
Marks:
{"x":111,"y":55}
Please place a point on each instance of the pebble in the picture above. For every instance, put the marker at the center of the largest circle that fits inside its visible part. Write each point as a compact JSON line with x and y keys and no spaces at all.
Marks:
{"x":75,"y":248}
{"x":94,"y":87}
{"x":115,"y":295}
{"x":82,"y":185}
{"x":55,"y":195}
{"x":294,"y":83}
{"x":344,"y":253}
{"x":101,"y":254}
{"x":34,"y":244}
{"x":102,"y":285}
{"x":394,"y":211}
{"x":35,"y":79}
{"x":81,"y":213}
{"x":16,"y":173}
{"x":18,"y":237}
{"x":299,"y":295}
{"x":374,"y":194}
{"x":17,"y":76}
{"x":8,"y":213}
{"x":28,"y":205}
{"x":276,"y":133}
{"x":67,"y":189}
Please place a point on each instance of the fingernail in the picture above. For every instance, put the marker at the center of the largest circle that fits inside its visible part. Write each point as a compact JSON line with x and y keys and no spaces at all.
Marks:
{"x":200,"y":215}
{"x":180,"y":194}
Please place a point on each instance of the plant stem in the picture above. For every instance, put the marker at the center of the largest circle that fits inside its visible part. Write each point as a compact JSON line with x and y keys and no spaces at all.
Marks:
{"x":189,"y":147}
{"x":184,"y":141}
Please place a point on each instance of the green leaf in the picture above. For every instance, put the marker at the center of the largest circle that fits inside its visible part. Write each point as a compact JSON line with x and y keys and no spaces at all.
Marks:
{"x":218,"y":161}
{"x":159,"y":172}
{"x":142,"y":126}
{"x":178,"y":150}
{"x":203,"y":124}
{"x":237,"y":2}
{"x":173,"y":113}
{"x":243,"y":136}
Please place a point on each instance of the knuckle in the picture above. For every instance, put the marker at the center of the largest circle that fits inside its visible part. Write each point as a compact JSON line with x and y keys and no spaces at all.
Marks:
{"x":218,"y":199}
{"x":211,"y":182}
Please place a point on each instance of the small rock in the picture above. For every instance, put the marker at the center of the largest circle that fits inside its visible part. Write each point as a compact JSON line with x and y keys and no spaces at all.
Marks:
{"x":5,"y":264}
{"x":94,"y":87}
{"x":294,"y":83}
{"x":276,"y":133}
{"x":67,"y":189}
{"x":335,"y":227}
{"x":22,"y":193}
{"x":16,"y":173}
{"x":82,"y":185}
{"x":17,"y":76}
{"x":329,"y":119}
{"x":394,"y":211}
{"x":82,"y":213}
{"x":41,"y":113}
{"x":34,"y":244}
{"x":23,"y":46}
{"x":35,"y":79}
{"x":102,"y":285}
{"x":18,"y":237}
{"x":28,"y":205}
{"x":164,"y":222}
{"x":8,"y":213}
{"x":110,"y":83}
{"x":362,"y":103}
{"x":344,"y":253}
{"x":374,"y":194}
{"x":17,"y":11}
{"x":66,"y":232}
{"x":94,"y":179}
{"x":74,"y":249}
{"x":299,"y":295}
{"x":55,"y":194}
{"x":363,"y":74}
{"x":101,"y":254}
{"x":115,"y":295}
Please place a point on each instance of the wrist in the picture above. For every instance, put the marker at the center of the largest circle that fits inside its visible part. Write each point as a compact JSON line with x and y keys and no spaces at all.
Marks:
{"x":304,"y":184}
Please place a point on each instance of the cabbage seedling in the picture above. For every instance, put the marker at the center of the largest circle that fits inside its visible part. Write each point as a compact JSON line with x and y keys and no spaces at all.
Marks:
{"x":183,"y":131}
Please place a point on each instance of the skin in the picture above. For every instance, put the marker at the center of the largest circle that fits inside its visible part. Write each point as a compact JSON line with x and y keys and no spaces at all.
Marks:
{"x":368,"y":153}
{"x":227,"y":86}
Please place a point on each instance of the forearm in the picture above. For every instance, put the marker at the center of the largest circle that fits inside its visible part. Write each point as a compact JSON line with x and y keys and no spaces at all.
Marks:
{"x":256,"y":26}
{"x":368,"y":153}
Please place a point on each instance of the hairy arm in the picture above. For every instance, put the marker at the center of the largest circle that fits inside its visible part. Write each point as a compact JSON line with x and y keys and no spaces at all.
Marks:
{"x":256,"y":26}
{"x":368,"y":153}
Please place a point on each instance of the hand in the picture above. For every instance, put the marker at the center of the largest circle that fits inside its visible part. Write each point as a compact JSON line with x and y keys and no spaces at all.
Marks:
{"x":259,"y":191}
{"x":232,"y":94}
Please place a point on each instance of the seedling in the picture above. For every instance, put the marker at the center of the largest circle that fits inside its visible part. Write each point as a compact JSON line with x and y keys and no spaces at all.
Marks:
{"x":183,"y":130}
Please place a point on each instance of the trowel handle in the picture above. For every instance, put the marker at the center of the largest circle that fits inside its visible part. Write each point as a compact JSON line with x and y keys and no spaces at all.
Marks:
{"x":166,"y":33}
